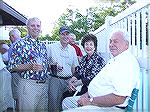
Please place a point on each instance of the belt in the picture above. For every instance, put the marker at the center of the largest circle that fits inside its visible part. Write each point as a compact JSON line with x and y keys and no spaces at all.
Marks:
{"x":35,"y":81}
{"x":40,"y":81}
{"x":59,"y":77}
{"x":121,"y":107}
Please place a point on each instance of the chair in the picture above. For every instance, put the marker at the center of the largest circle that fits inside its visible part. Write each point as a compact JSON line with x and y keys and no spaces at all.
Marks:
{"x":132,"y":99}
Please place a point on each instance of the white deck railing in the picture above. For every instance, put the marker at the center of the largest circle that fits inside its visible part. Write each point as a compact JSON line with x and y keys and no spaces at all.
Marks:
{"x":49,"y":42}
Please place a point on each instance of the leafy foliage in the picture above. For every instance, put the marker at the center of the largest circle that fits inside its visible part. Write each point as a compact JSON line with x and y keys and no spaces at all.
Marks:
{"x":23,"y":30}
{"x":80,"y":24}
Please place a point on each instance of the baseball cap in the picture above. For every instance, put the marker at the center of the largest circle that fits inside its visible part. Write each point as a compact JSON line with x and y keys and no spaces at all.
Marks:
{"x":63,"y":29}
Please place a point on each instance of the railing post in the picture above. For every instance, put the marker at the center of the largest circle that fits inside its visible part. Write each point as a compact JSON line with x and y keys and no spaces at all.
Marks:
{"x":108,"y":21}
{"x":46,"y":42}
{"x":148,"y":56}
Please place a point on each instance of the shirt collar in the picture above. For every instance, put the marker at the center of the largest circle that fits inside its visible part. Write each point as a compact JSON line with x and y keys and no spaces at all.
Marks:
{"x":18,"y":39}
{"x":62,"y":48}
{"x":121,"y":55}
{"x":32,"y":39}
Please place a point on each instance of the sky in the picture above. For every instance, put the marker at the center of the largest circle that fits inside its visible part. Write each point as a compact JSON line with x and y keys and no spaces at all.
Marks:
{"x":48,"y":10}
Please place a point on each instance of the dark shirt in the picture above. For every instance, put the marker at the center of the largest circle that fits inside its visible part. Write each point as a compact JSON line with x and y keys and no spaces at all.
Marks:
{"x":89,"y":68}
{"x":26,"y":51}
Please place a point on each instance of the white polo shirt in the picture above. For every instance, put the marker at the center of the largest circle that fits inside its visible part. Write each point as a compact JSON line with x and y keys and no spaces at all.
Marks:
{"x":64,"y":57}
{"x":119,"y":76}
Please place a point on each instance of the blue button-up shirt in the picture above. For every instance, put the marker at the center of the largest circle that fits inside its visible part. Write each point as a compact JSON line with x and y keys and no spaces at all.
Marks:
{"x":27,"y":51}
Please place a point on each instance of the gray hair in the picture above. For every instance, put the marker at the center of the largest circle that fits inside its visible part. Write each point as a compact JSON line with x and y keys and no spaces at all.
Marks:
{"x":15,"y":32}
{"x":125,"y":33}
{"x":32,"y":19}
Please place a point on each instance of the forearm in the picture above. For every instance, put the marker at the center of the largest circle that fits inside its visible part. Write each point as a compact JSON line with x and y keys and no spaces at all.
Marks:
{"x":108,"y":100}
{"x":22,"y":67}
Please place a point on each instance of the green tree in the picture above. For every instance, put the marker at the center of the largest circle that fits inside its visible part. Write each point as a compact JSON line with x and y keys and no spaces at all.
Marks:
{"x":23,"y":30}
{"x":46,"y":37}
{"x":80,"y":24}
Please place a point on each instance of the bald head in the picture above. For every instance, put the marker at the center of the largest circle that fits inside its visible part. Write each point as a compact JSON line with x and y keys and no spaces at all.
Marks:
{"x":118,"y":42}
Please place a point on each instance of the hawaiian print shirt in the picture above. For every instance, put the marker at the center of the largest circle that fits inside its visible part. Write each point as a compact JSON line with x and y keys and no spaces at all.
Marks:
{"x":26,"y":51}
{"x":89,"y":68}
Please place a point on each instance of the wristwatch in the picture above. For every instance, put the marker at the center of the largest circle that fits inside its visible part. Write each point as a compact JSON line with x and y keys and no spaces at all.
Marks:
{"x":91,"y":100}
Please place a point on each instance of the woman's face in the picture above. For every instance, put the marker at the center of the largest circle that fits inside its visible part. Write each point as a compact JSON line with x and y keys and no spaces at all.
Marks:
{"x":89,"y":47}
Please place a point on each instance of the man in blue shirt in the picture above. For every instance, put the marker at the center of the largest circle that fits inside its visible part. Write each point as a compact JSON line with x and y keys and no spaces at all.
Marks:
{"x":14,"y":36}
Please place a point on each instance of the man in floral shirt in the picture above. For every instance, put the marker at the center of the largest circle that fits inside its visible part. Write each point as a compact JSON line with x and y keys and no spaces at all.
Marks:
{"x":28,"y":58}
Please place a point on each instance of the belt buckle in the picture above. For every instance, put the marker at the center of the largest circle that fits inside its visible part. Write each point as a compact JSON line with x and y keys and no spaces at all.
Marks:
{"x":40,"y":81}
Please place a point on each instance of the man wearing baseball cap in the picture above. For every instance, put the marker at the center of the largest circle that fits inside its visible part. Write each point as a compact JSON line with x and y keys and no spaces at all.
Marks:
{"x":65,"y":58}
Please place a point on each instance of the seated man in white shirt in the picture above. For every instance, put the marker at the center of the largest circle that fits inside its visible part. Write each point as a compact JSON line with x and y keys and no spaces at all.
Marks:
{"x":110,"y":90}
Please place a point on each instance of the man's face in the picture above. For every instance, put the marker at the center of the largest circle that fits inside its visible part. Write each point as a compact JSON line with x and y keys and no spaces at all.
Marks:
{"x":71,"y":39}
{"x":64,"y":37}
{"x":117,"y":44}
{"x":34,"y":28}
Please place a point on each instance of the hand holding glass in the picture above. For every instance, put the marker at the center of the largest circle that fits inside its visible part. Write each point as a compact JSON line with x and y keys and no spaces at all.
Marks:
{"x":54,"y":68}
{"x":38,"y":65}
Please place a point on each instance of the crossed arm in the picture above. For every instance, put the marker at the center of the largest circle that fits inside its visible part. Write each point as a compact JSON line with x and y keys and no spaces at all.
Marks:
{"x":101,"y":101}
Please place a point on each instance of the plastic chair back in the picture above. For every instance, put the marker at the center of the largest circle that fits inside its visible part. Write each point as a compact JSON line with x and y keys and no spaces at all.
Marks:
{"x":132,"y":99}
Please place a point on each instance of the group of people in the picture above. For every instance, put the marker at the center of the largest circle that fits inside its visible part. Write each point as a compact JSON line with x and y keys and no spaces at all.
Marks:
{"x":46,"y":78}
